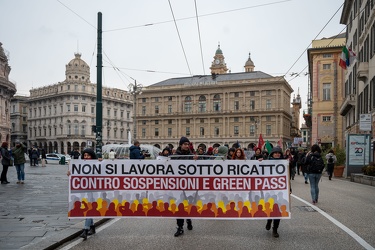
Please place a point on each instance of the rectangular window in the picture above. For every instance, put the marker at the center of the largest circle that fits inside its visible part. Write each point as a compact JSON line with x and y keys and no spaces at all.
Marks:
{"x":170,"y":121}
{"x":252,"y":118}
{"x":268,"y":118}
{"x":143,"y":110}
{"x":268,"y":104}
{"x":68,"y":107}
{"x":156,"y":132}
{"x":128,"y":113}
{"x":236,"y":94}
{"x":187,"y":121}
{"x":187,"y":131}
{"x":156,"y":99}
{"x":326,"y":118}
{"x":75,"y":87}
{"x":236,"y":119}
{"x":156,"y":122}
{"x":216,"y":131}
{"x":143,"y":132}
{"x":83,"y":109}
{"x":216,"y":120}
{"x":268,"y":92}
{"x":122,"y":114}
{"x":236,"y":105}
{"x":169,"y":132}
{"x":76,"y":108}
{"x":144,"y":122}
{"x":156,"y":109}
{"x":83,"y":130}
{"x":201,"y":120}
{"x":252,"y":130}
{"x":327,"y":66}
{"x":143,"y":99}
{"x":327,"y":55}
{"x":235,"y":131}
{"x":115,"y":113}
{"x":108,"y":112}
{"x":252,"y":105}
{"x":201,"y":131}
{"x":268,"y":130}
{"x":92,"y":110}
{"x":326,"y":91}
{"x":76,"y":97}
{"x":252,"y":93}
{"x":169,"y":109}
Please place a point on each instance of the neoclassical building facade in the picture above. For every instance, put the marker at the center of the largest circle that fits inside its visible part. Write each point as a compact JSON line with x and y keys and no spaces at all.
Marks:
{"x":61,"y":116}
{"x":7,"y":91}
{"x":223,"y":108}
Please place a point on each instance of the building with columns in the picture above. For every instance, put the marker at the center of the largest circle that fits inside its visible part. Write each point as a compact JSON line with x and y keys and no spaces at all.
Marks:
{"x":61,"y":115}
{"x":223,"y":108}
{"x":7,"y":91}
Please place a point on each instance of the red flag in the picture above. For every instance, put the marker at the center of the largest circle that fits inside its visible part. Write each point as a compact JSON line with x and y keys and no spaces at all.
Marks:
{"x":280,"y":143}
{"x":260,"y":141}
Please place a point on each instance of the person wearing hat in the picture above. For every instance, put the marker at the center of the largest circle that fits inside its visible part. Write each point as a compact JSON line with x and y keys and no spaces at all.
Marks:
{"x":18,"y":153}
{"x":166,"y":152}
{"x":276,"y":154}
{"x":222,"y":152}
{"x":183,"y":152}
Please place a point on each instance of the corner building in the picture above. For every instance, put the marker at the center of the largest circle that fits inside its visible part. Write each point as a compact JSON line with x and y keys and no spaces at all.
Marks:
{"x":223,"y":108}
{"x":61,"y":115}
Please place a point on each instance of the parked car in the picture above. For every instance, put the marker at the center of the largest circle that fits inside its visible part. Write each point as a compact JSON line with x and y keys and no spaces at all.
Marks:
{"x":55,"y":158}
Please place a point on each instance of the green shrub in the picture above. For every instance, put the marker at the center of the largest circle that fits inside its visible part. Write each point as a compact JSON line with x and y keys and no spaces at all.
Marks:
{"x":369,"y":170}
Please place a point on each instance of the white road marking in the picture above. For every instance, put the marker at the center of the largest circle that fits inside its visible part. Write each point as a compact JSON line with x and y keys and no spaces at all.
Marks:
{"x":337,"y":223}
{"x":78,"y":241}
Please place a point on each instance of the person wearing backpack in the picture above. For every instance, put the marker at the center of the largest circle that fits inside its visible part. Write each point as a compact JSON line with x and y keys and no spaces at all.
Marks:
{"x":331,"y":160}
{"x":315,"y":166}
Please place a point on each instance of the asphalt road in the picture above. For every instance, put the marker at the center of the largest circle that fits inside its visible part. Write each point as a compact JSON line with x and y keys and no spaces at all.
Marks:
{"x":343,"y":219}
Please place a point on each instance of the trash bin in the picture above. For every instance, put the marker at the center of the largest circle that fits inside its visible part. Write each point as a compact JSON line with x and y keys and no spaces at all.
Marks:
{"x":62,"y":160}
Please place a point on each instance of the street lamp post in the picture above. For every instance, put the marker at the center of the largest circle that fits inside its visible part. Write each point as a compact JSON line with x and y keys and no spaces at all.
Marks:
{"x":135,"y":89}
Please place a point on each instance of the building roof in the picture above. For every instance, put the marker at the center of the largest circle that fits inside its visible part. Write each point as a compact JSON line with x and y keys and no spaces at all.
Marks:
{"x":208,"y":78}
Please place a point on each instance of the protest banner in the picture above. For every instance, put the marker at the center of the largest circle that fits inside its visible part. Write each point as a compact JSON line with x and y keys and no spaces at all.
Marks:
{"x":206,"y":189}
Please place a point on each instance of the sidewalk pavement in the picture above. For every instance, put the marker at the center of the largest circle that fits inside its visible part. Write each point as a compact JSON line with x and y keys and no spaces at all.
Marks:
{"x":34,"y":215}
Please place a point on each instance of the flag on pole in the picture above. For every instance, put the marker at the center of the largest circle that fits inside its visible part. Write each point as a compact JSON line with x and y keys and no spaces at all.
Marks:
{"x":260,"y":141}
{"x":347,"y":57}
{"x":268,"y":146}
{"x":280,"y":143}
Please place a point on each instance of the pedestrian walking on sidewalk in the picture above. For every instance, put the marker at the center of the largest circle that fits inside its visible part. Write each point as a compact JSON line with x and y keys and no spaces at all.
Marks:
{"x":18,"y":153}
{"x":5,"y":161}
{"x":331,"y":160}
{"x":44,"y":157}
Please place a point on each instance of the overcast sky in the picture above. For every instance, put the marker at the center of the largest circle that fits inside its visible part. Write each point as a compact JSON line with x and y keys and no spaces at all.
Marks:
{"x":41,"y":37}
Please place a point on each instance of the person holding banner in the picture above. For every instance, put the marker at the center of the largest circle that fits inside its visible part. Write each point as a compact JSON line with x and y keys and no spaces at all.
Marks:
{"x":89,"y":228}
{"x":276,"y":154}
{"x":183,"y":152}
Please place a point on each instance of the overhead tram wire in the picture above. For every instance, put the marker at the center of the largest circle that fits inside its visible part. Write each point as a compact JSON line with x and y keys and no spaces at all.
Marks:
{"x":186,"y":18}
{"x":199,"y":33}
{"x":77,"y":14}
{"x":153,"y":71}
{"x":314,"y":39}
{"x":182,"y":46}
{"x":359,"y":12}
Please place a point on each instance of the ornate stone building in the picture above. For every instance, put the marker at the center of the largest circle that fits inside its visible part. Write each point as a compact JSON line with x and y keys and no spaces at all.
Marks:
{"x":222,"y":108}
{"x":18,"y":118}
{"x":327,"y":91}
{"x":7,"y":90}
{"x":61,"y":115}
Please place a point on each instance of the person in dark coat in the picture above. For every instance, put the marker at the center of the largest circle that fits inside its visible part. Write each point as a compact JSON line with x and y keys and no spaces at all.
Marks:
{"x":276,"y":154}
{"x":34,"y":157}
{"x":183,"y":152}
{"x":5,"y":161}
{"x":18,"y":153}
{"x":135,"y":151}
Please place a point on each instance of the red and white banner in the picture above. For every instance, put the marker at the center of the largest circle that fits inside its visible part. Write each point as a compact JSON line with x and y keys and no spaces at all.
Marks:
{"x":235,"y":189}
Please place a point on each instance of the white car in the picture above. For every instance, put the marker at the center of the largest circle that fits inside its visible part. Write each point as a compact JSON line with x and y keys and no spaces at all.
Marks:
{"x":55,"y":158}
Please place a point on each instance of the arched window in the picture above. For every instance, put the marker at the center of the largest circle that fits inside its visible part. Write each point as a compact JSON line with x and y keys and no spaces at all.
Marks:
{"x":187,"y":104}
{"x":202,"y":104}
{"x":217,"y":103}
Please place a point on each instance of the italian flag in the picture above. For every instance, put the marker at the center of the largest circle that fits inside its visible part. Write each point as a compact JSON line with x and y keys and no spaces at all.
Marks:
{"x":347,"y":57}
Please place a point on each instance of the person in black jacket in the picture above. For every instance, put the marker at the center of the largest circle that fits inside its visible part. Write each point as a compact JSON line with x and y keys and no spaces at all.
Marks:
{"x":135,"y":151}
{"x":314,"y":171}
{"x":183,"y":152}
{"x":5,"y":160}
